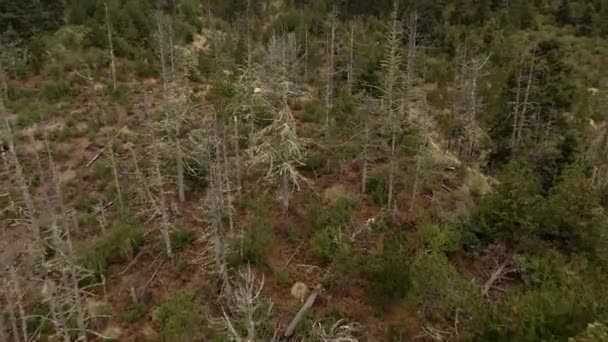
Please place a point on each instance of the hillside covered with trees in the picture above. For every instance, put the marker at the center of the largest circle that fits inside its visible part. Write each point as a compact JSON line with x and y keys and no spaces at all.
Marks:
{"x":303,"y":170}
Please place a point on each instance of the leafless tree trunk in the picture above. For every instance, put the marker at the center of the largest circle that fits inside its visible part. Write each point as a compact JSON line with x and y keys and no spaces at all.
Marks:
{"x":111,"y":44}
{"x":522,"y":106}
{"x":526,"y":104}
{"x":392,"y":66}
{"x":329,"y":87}
{"x":419,"y":157}
{"x":18,"y":295}
{"x":246,"y":310}
{"x":12,"y":315}
{"x":306,"y":54}
{"x":113,"y":162}
{"x":30,"y":207}
{"x":516,"y":109}
{"x":366,"y":144}
{"x":225,"y":172}
{"x":3,"y":336}
{"x":351,"y":60}
{"x":3,"y":82}
{"x":143,"y":184}
{"x":237,"y":155}
{"x":78,"y":300}
{"x":167,"y":51}
{"x":57,"y":313}
{"x":165,"y":225}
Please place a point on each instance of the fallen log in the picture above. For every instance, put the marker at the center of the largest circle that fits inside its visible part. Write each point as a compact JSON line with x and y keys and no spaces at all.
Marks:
{"x":310,"y":301}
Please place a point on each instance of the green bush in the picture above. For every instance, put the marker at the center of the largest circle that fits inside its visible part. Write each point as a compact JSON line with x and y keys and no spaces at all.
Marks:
{"x":313,"y":162}
{"x":314,"y":112}
{"x":322,"y":215}
{"x":377,"y":189}
{"x":328,"y":242}
{"x":259,"y":234}
{"x":180,"y":318}
{"x":181,"y":238}
{"x":510,"y":211}
{"x":133,"y":312}
{"x":439,"y":290}
{"x":282,"y":278}
{"x":196,"y":173}
{"x":388,"y":272}
{"x":56,"y":90}
{"x":440,"y":238}
{"x":117,"y":244}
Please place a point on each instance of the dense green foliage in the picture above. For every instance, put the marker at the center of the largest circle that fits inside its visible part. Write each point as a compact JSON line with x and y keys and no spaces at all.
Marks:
{"x":497,"y":230}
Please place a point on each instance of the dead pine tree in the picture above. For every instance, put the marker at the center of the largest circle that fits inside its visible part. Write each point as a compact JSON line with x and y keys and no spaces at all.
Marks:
{"x":245,"y":309}
{"x":350,"y":69}
{"x":411,"y":59}
{"x":330,"y":69}
{"x":521,"y":106}
{"x":114,"y":163}
{"x":420,"y":155}
{"x":278,"y":145}
{"x":474,"y":134}
{"x":11,"y":292}
{"x":171,"y":95}
{"x":111,"y":45}
{"x":158,"y":179}
{"x":22,"y":182}
{"x":392,"y":106}
{"x":368,"y":145}
{"x":165,"y":224}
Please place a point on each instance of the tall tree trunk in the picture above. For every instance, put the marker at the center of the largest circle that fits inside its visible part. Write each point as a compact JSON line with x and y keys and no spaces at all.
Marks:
{"x":111,"y":44}
{"x":162,"y":203}
{"x":59,"y":320}
{"x":78,"y":302}
{"x":391,"y":85}
{"x":416,"y":178}
{"x":525,"y":105}
{"x":19,"y":298}
{"x":351,"y":60}
{"x":110,"y":149}
{"x":22,"y":182}
{"x":237,"y":155}
{"x":516,"y":109}
{"x":366,"y":147}
{"x":12,"y":318}
{"x":3,"y":331}
{"x":329,"y":87}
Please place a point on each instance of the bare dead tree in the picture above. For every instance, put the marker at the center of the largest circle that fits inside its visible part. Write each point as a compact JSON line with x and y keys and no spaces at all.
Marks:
{"x":172,"y":93}
{"x":522,"y":104}
{"x":100,"y":209}
{"x":144,"y":187}
{"x":3,"y":330}
{"x":165,"y":224}
{"x":469,"y":105}
{"x":113,"y":162}
{"x":3,"y":80}
{"x":23,"y":184}
{"x":278,"y":145}
{"x":209,"y":142}
{"x":246,"y":309}
{"x":330,"y":69}
{"x":111,"y":45}
{"x":392,"y":106}
{"x":351,"y":60}
{"x":340,"y":331}
{"x":419,"y":159}
{"x":366,"y":146}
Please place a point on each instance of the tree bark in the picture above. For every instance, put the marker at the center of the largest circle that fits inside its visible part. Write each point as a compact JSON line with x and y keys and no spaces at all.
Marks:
{"x":111,"y":44}
{"x":310,"y":301}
